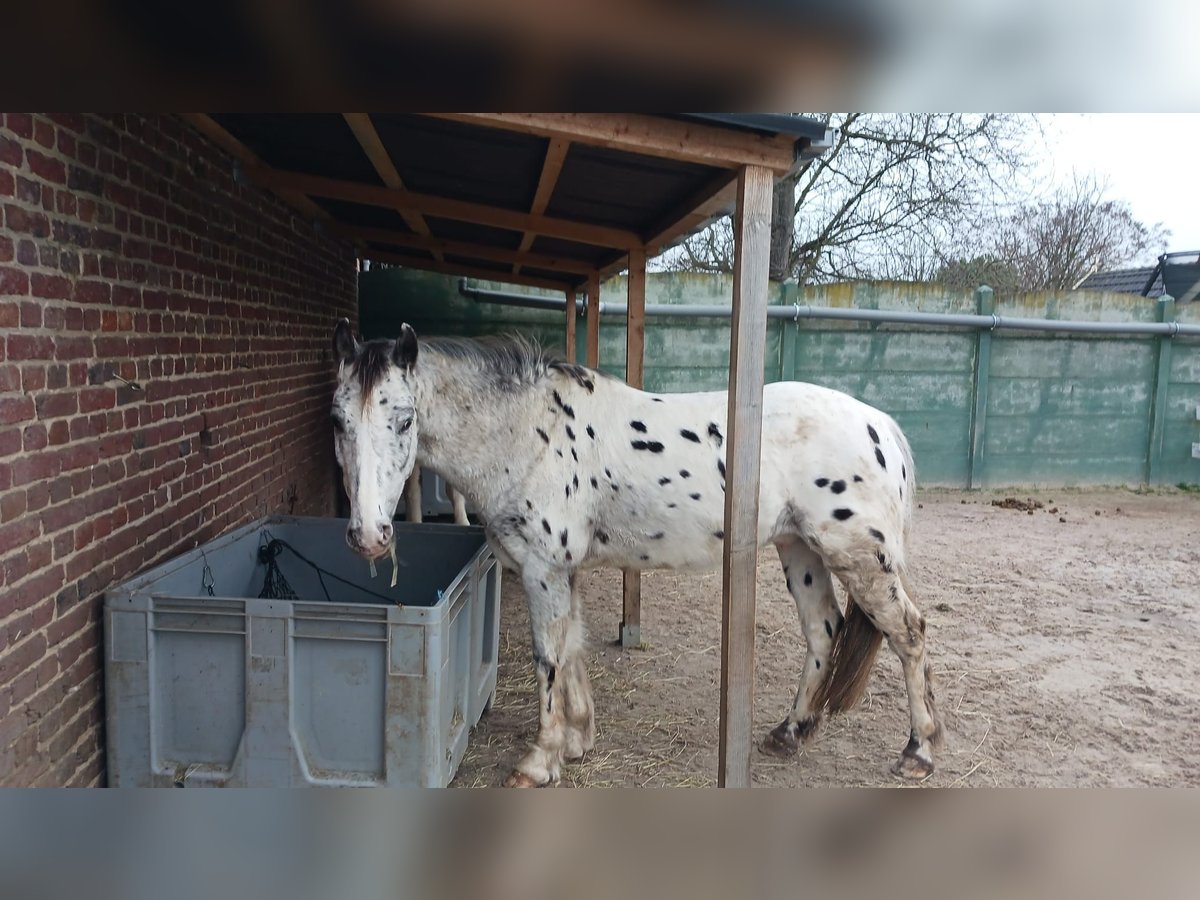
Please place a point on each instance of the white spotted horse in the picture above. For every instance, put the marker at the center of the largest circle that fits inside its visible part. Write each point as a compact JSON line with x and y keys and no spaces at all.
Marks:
{"x":571,"y":469}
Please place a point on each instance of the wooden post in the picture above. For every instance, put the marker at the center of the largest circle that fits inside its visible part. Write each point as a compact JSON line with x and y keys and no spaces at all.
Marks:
{"x":985,"y":302}
{"x":1158,"y":403}
{"x":743,"y":442}
{"x":570,"y":325}
{"x":635,"y":351}
{"x":593,"y":320}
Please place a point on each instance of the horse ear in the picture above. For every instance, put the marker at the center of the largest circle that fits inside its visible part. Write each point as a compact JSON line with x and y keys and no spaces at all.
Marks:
{"x":345,"y":346}
{"x":405,"y":353}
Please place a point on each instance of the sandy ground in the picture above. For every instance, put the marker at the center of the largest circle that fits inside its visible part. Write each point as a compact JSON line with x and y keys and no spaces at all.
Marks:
{"x":1065,"y":646}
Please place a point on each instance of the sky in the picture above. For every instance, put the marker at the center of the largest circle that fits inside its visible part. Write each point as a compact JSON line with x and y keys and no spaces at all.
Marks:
{"x":1149,"y":160}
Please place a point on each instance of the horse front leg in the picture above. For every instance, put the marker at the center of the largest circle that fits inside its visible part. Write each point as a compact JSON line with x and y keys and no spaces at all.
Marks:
{"x":412,"y":496}
{"x":459,"y":503}
{"x":555,"y":648}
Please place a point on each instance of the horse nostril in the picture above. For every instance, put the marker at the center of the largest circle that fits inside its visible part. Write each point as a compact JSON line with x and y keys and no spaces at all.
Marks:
{"x":354,"y":538}
{"x":385,"y":531}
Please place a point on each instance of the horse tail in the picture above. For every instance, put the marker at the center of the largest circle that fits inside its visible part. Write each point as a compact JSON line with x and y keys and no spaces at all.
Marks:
{"x":850,"y":661}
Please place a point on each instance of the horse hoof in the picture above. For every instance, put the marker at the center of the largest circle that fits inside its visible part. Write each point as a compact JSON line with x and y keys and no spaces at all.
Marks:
{"x":520,"y":780}
{"x":912,"y":768}
{"x":781,"y":741}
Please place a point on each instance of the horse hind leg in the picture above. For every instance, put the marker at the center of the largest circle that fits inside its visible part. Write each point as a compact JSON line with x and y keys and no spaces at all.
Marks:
{"x":556,"y":653}
{"x":811,"y":586}
{"x":888,"y":605}
{"x":578,"y":710}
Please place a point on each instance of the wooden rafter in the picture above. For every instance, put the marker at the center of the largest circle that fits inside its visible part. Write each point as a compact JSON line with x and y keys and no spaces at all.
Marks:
{"x":649,"y":135}
{"x":717,"y":197}
{"x":556,"y":153}
{"x":210,"y":128}
{"x":466,"y":271}
{"x":460,"y":210}
{"x":368,"y":139}
{"x":440,"y":248}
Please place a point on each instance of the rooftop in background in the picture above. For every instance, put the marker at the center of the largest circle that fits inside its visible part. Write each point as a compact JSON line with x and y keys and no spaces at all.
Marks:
{"x":1177,"y":274}
{"x":538,"y":199}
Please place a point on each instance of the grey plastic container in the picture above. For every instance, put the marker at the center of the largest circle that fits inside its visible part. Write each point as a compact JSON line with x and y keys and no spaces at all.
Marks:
{"x":357,"y":689}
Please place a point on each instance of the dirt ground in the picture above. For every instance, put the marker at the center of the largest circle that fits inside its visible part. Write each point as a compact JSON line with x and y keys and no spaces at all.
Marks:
{"x":1065,"y":643}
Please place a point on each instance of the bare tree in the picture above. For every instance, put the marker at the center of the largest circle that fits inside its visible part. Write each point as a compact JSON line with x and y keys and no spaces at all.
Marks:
{"x":1056,"y":242}
{"x":880,"y":202}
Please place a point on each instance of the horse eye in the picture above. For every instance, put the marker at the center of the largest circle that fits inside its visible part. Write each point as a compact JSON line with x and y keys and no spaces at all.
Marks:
{"x":337,"y":424}
{"x":406,"y":424}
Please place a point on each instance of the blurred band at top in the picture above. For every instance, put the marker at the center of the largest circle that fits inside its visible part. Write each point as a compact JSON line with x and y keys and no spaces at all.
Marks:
{"x":605,"y":54}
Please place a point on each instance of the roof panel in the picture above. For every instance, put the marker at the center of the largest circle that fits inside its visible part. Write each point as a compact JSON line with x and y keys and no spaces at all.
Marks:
{"x":361,"y":214}
{"x":464,"y":162}
{"x":625,"y":190}
{"x":318,"y":143}
{"x":452,"y":230}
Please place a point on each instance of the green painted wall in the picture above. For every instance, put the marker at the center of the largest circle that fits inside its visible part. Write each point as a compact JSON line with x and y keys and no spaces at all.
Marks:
{"x":1059,"y":410}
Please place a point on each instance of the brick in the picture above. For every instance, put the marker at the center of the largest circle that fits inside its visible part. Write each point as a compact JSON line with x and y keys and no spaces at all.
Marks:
{"x":11,"y":153}
{"x":56,"y":405}
{"x":33,"y":378}
{"x":97,"y":398}
{"x":31,"y":315}
{"x":92,"y":292}
{"x":12,"y":504}
{"x":29,"y":191}
{"x":21,"y":657}
{"x":34,"y":467}
{"x":43,"y":133}
{"x":15,"y":409}
{"x":20,"y":124}
{"x":46,"y":167}
{"x":13,"y":282}
{"x":82,"y":180}
{"x":29,"y":346}
{"x":66,"y":348}
{"x":34,"y":438}
{"x":22,"y":220}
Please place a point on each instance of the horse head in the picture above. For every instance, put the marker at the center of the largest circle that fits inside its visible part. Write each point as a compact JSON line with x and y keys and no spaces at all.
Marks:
{"x":375,"y":431}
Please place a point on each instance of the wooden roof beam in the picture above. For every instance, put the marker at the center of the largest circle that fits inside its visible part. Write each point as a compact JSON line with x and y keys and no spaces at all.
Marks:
{"x":210,"y":128}
{"x":441,"y":247}
{"x":460,"y":210}
{"x":692,"y":142}
{"x":556,"y":153}
{"x":466,"y":271}
{"x":716,"y":198}
{"x":368,"y":139}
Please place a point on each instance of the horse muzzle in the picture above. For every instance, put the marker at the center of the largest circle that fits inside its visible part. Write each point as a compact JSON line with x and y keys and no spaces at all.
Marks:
{"x":371,"y":543}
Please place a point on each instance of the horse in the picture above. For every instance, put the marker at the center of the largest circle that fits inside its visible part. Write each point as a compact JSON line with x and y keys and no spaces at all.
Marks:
{"x":571,"y":469}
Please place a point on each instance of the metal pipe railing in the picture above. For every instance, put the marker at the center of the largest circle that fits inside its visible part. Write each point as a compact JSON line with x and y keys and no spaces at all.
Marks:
{"x":796,"y":312}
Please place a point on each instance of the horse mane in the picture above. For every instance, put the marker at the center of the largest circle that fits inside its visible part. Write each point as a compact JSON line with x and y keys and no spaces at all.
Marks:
{"x":511,"y":362}
{"x":371,"y":364}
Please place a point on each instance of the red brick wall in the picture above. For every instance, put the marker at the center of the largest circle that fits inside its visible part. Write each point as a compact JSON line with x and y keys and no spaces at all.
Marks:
{"x":126,"y":249}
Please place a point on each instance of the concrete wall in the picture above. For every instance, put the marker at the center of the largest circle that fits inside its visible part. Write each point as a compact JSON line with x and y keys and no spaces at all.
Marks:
{"x":1059,"y":409}
{"x":127,"y":249}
